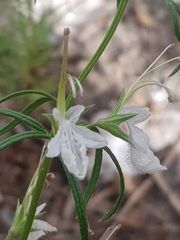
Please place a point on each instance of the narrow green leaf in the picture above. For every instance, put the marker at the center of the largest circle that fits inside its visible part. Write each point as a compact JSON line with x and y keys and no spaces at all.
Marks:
{"x":21,"y":136}
{"x":119,"y":103}
{"x":174,"y":71}
{"x":118,"y":1}
{"x":174,"y":13}
{"x":94,"y":176}
{"x":43,"y":171}
{"x":17,"y":94}
{"x":53,"y":122}
{"x":78,"y":198}
{"x":122,"y":187}
{"x":23,"y":118}
{"x":101,"y":48}
{"x":177,"y":8}
{"x":87,"y":108}
{"x":116,"y":131}
{"x":25,"y":111}
{"x":116,"y":119}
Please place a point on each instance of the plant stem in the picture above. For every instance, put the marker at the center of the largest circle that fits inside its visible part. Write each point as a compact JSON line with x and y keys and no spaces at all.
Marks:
{"x":35,"y":198}
{"x":101,"y":48}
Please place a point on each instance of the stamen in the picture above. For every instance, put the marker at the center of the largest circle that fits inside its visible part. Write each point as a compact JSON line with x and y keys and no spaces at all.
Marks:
{"x":72,"y":81}
{"x":168,"y":61}
{"x":171,"y":99}
{"x":79,"y":85}
{"x":155,"y":61}
{"x":140,"y":82}
{"x":152,"y":82}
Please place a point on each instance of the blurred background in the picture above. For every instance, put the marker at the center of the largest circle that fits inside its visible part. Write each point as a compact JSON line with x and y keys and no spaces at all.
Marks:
{"x":30,"y":58}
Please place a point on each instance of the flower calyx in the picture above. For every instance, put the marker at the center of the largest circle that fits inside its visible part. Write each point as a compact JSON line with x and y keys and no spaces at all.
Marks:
{"x":111,"y":124}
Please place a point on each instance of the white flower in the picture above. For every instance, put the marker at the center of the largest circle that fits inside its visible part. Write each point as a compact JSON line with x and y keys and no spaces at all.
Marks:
{"x":143,"y":159}
{"x":72,"y":141}
{"x":40,"y":228}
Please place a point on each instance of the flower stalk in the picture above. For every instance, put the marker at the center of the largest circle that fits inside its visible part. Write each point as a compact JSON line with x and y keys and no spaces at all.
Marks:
{"x":35,"y":197}
{"x":120,"y":10}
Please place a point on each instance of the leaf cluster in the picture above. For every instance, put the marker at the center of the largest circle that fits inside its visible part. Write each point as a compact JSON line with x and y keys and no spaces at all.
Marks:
{"x":22,"y":117}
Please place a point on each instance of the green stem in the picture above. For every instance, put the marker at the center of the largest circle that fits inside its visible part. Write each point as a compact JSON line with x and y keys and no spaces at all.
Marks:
{"x":35,"y":198}
{"x":78,"y":198}
{"x":101,"y":48}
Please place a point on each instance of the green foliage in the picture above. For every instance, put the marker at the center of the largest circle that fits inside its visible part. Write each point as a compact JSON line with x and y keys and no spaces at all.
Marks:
{"x":117,"y":2}
{"x":25,"y":92}
{"x":111,"y":124}
{"x":94,"y":176}
{"x":174,"y":71}
{"x":21,"y":136}
{"x":22,"y":117}
{"x":25,"y":47}
{"x":122,"y":187}
{"x":25,"y":111}
{"x":175,"y":12}
{"x":79,"y":203}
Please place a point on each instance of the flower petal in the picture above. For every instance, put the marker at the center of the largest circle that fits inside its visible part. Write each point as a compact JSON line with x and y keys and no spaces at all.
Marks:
{"x":142,"y":114}
{"x":42,"y":225}
{"x":75,"y":160}
{"x":54,"y":145}
{"x":142,"y":157}
{"x":36,"y":235}
{"x":71,"y":141}
{"x":40,"y":208}
{"x":89,"y":138}
{"x":74,"y":113}
{"x":56,"y":115}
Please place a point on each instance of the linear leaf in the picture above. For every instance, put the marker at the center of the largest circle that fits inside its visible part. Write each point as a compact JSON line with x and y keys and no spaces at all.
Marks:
{"x":94,"y":176}
{"x":25,"y":111}
{"x":177,"y":8}
{"x":23,"y":118}
{"x":78,"y":198}
{"x":21,"y":136}
{"x":119,"y":104}
{"x":121,"y":191}
{"x":174,"y":71}
{"x":116,"y":131}
{"x":24,"y":92}
{"x":174,"y":13}
{"x":117,"y":1}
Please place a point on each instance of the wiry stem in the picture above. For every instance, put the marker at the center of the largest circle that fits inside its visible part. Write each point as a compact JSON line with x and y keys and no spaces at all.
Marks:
{"x":101,"y":48}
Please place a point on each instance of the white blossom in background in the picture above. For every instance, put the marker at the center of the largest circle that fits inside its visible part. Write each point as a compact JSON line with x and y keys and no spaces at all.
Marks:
{"x":40,"y":227}
{"x":72,"y":141}
{"x":139,"y":153}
